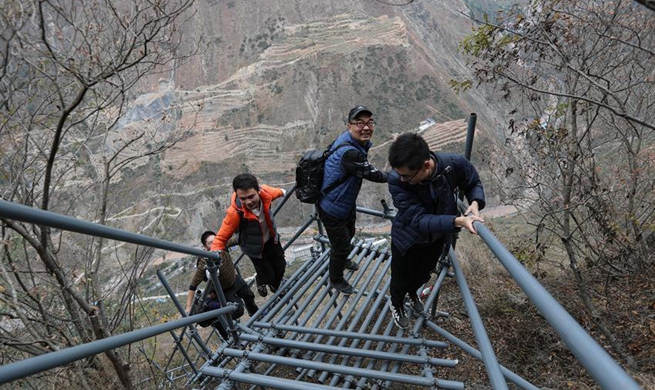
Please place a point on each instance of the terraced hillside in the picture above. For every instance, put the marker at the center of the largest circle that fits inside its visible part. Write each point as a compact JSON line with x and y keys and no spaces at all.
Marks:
{"x":257,"y":147}
{"x":275,"y":78}
{"x":443,"y":134}
{"x":221,"y":115}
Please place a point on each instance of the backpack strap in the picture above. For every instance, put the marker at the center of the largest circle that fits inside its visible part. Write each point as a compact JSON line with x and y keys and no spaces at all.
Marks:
{"x":448,"y":172}
{"x":341,"y":180}
{"x":242,"y":220}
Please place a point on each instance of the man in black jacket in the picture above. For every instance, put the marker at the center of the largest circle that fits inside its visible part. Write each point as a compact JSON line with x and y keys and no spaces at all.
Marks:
{"x":421,"y":186}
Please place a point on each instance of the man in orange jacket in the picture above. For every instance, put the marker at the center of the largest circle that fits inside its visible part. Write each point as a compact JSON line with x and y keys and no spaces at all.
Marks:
{"x":249,"y":215}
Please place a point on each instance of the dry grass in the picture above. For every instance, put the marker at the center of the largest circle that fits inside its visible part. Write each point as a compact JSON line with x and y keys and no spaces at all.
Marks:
{"x":523,"y":341}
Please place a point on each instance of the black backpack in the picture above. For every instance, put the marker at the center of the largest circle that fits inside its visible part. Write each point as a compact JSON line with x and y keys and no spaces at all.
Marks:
{"x":309,"y":174}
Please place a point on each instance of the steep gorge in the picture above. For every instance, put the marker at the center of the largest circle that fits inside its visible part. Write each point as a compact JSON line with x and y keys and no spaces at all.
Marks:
{"x":275,"y":78}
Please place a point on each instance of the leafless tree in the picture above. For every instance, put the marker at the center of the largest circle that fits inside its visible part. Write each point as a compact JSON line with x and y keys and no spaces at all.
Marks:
{"x":580,"y":142}
{"x":67,"y":75}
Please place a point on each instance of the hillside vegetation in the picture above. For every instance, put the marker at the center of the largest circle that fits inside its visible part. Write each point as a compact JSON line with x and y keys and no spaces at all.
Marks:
{"x":138,"y":115}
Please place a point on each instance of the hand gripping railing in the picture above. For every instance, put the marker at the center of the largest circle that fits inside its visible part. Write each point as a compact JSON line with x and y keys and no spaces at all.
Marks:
{"x":592,"y":356}
{"x":600,"y":365}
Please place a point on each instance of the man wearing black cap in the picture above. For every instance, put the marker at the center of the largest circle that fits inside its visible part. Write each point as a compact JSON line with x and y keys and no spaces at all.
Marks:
{"x":344,"y":170}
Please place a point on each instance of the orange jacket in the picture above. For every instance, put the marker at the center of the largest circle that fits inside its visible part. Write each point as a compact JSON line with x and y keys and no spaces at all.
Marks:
{"x":232,"y":219}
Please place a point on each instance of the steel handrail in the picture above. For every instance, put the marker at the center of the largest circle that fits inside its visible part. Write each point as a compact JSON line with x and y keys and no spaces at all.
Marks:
{"x":600,"y":365}
{"x":37,"y":364}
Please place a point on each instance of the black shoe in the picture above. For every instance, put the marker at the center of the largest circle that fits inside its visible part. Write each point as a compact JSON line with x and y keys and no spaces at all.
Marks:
{"x":351,"y":265}
{"x":399,"y":315}
{"x":261,"y":290}
{"x":273,"y":289}
{"x":252,"y":307}
{"x":343,"y":287}
{"x":415,"y":304}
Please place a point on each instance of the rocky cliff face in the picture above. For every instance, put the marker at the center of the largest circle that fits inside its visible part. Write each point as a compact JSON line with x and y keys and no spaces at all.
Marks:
{"x":276,"y":77}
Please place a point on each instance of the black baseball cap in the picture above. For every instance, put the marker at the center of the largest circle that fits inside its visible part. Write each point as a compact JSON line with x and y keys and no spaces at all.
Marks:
{"x":356,"y":111}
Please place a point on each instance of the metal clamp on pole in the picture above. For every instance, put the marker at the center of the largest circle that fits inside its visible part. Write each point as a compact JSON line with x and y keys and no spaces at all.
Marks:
{"x":389,"y":213}
{"x":212,"y":267}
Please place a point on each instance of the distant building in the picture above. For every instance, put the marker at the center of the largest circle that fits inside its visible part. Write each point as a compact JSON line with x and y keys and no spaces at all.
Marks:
{"x":426,"y":124}
{"x":303,"y":252}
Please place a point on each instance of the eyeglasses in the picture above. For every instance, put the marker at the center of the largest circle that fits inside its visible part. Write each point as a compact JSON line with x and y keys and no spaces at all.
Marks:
{"x":409,"y":177}
{"x":361,"y":124}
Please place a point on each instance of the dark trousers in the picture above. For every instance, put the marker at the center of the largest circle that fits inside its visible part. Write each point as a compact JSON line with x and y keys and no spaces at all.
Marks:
{"x":410,"y":271}
{"x":240,"y":293}
{"x":340,"y":233}
{"x":270,"y":268}
{"x":213,"y":304}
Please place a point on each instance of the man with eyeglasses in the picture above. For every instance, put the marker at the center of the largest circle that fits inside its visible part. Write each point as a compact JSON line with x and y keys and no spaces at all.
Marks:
{"x":421,"y":184}
{"x":345,"y":169}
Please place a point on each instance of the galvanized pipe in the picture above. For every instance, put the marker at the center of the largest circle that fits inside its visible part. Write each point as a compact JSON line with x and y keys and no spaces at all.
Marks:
{"x":312,"y":298}
{"x":212,"y":267}
{"x":304,"y":227}
{"x":260,"y":357}
{"x":593,"y":357}
{"x":168,"y":288}
{"x":428,"y":372}
{"x":302,"y":276}
{"x":381,"y":315}
{"x":286,"y":197}
{"x":353,"y":300}
{"x":332,"y":349}
{"x":337,"y":314}
{"x":235,"y":373}
{"x":180,"y":347}
{"x":488,"y":356}
{"x":376,"y":213}
{"x":372,"y":314}
{"x":360,"y":291}
{"x":306,"y":271}
{"x":353,"y":323}
{"x":405,"y":349}
{"x":600,"y":365}
{"x":392,"y":348}
{"x":433,"y":298}
{"x":352,"y":335}
{"x":517,"y":380}
{"x":326,"y":309}
{"x":17,"y":370}
{"x":24,"y":213}
{"x":263,"y":380}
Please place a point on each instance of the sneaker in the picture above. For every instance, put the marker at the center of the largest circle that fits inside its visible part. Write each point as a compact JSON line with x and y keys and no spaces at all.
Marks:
{"x":261,"y":290}
{"x":416,"y":305}
{"x":343,"y":286}
{"x":399,"y":316}
{"x":351,"y":265}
